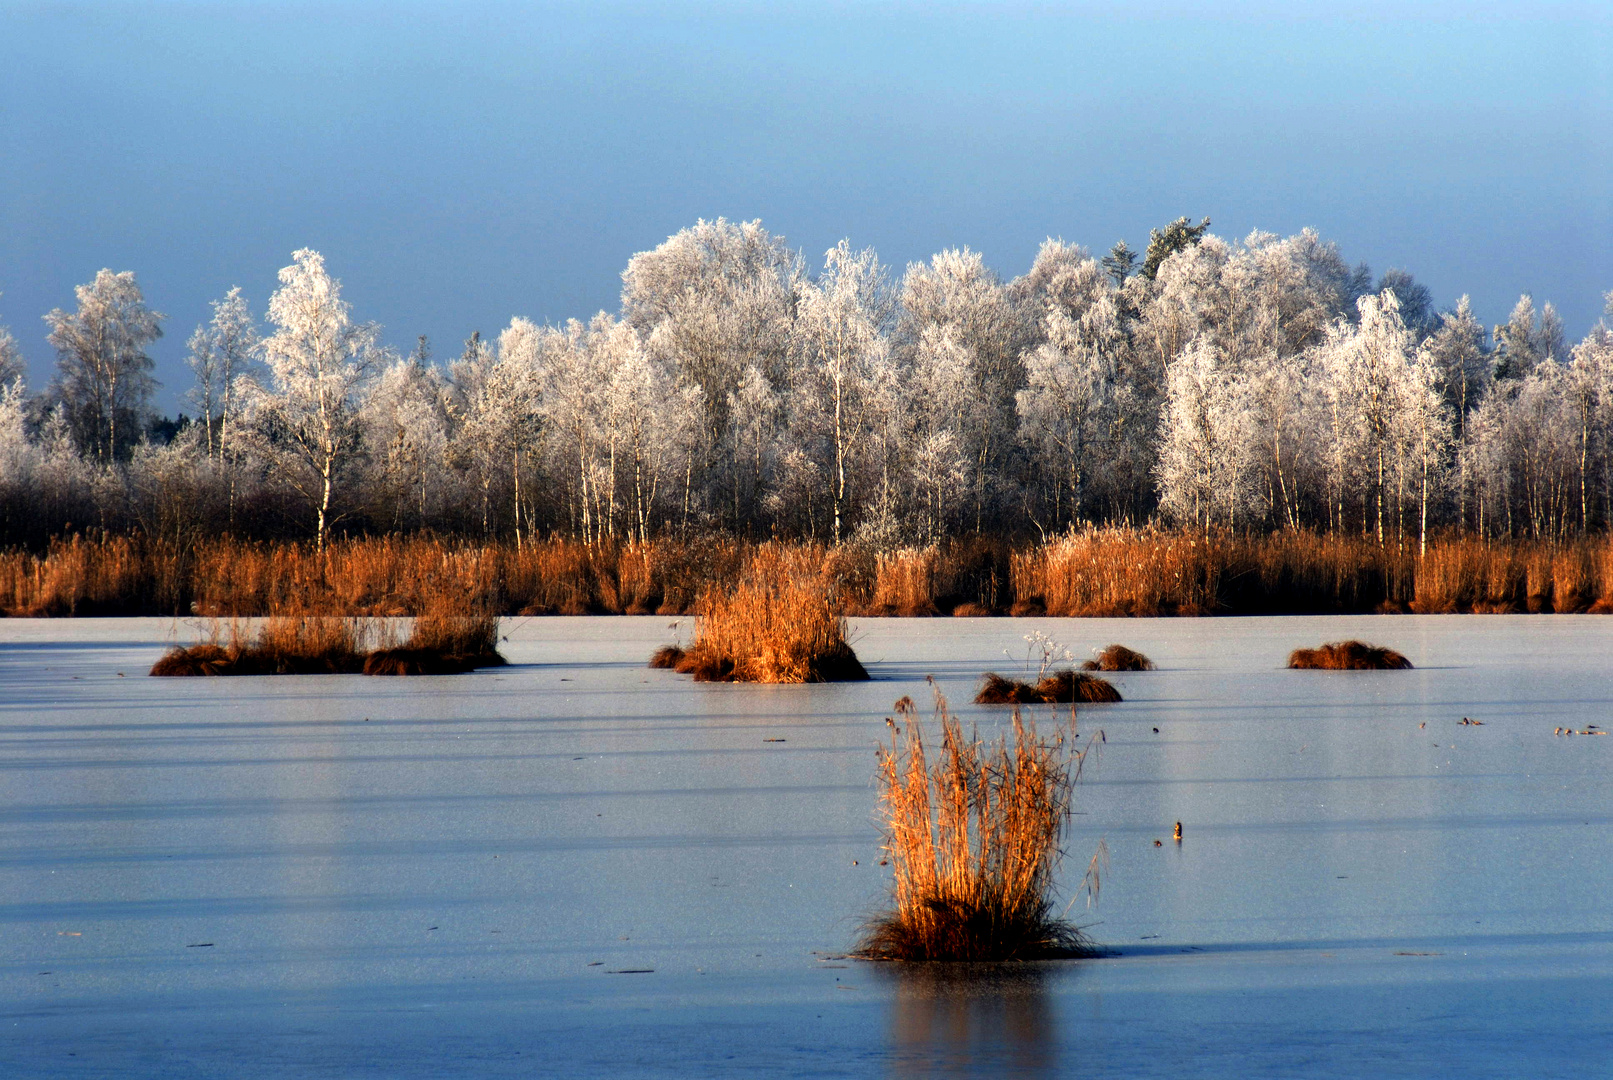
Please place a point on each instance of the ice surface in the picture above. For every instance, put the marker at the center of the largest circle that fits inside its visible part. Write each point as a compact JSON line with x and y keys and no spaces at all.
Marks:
{"x":578,"y":866}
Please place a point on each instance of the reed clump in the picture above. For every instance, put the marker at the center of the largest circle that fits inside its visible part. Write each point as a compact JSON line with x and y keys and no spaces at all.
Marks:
{"x":282,"y":645}
{"x":443,"y":642}
{"x":449,"y":637}
{"x":667,"y":657}
{"x":777,"y":624}
{"x":1348,"y":656}
{"x":1052,"y":688}
{"x":974,"y":842}
{"x":1118,"y":658}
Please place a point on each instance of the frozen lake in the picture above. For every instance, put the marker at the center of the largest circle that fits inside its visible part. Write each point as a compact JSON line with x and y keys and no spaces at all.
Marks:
{"x":576,"y":866}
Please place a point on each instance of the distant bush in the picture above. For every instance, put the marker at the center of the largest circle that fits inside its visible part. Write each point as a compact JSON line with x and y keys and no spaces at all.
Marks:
{"x":1348,"y":656}
{"x":1052,"y":688}
{"x":1118,"y":658}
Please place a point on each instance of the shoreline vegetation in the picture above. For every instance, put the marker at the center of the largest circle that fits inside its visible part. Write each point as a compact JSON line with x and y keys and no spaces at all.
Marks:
{"x":1097,"y":572}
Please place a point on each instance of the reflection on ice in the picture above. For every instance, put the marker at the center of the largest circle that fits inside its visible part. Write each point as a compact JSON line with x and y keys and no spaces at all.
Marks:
{"x":973,"y":1019}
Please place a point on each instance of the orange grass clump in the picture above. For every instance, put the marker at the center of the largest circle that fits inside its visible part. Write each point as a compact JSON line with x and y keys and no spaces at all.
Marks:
{"x":974,"y":843}
{"x":1118,"y":658}
{"x":777,"y":625}
{"x":1348,"y":656}
{"x":667,"y":657}
{"x":283,"y":645}
{"x":442,"y":643}
{"x":1053,"y":688}
{"x":445,"y":640}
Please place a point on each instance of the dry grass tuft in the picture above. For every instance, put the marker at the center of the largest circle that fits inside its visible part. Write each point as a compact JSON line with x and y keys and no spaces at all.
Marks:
{"x":666,"y":657}
{"x":776,"y":625}
{"x":1053,"y":688}
{"x":445,"y":640}
{"x":1119,"y":658}
{"x":204,"y":659}
{"x":1348,"y":656}
{"x":283,"y":645}
{"x":974,"y":842}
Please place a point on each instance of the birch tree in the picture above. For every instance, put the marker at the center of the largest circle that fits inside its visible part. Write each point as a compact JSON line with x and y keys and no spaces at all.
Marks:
{"x":404,"y":418}
{"x":103,"y":381}
{"x":957,"y":294}
{"x":318,"y":363}
{"x":12,"y":368}
{"x":1588,"y":383}
{"x":1365,"y":367}
{"x":941,"y":469}
{"x":843,"y":322}
{"x":1206,"y":458}
{"x":712,"y":303}
{"x":219,"y":355}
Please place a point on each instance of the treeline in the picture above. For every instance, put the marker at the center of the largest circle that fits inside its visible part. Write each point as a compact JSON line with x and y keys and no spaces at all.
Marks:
{"x":1253,"y":386}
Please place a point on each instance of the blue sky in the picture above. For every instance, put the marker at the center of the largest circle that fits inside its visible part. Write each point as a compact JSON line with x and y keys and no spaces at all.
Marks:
{"x":461,"y":164}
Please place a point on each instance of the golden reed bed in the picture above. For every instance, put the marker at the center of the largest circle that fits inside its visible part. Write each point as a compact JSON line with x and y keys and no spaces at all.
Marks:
{"x":1103,"y":572}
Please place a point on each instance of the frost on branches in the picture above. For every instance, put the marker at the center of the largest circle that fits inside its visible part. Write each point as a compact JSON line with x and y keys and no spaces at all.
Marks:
{"x":742,"y":388}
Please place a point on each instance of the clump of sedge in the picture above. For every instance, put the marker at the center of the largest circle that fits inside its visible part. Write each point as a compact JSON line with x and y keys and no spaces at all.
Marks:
{"x":1118,"y":658}
{"x":443,"y":642}
{"x":1053,"y":688}
{"x":283,"y":645}
{"x":775,"y":626}
{"x":666,"y":657}
{"x":1348,"y":656}
{"x":974,"y":844}
{"x":446,"y":640}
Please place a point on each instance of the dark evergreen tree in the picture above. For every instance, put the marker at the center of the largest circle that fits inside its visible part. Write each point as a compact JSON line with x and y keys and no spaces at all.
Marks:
{"x":1163,"y":243}
{"x":1121,"y":262}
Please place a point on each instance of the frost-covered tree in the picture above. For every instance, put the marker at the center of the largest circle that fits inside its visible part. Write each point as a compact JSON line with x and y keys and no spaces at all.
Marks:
{"x":1366,"y":367}
{"x":575,"y":370}
{"x":842,"y":325}
{"x":1424,"y":433}
{"x":103,"y":382}
{"x":1525,"y":455}
{"x":652,"y":426}
{"x":13,"y":370}
{"x":957,"y":294}
{"x":1457,"y":352}
{"x":1588,"y":385}
{"x":219,"y":354}
{"x":712,"y":303}
{"x":318,"y":361}
{"x":404,"y":419}
{"x":1207,"y":463}
{"x":1527,"y":339}
{"x":497,"y":402}
{"x":941,"y":386}
{"x":1071,"y":402}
